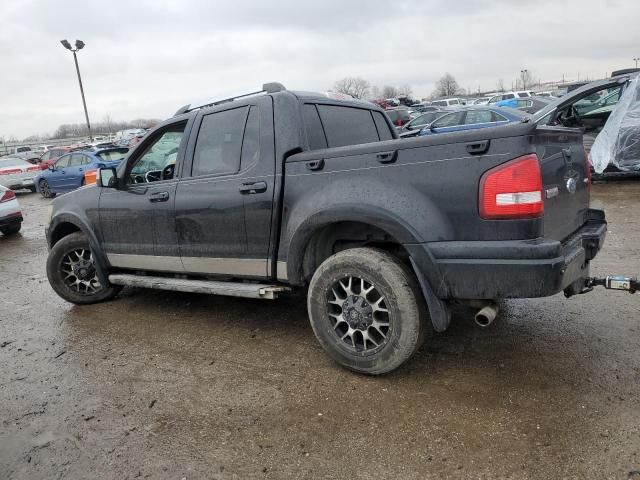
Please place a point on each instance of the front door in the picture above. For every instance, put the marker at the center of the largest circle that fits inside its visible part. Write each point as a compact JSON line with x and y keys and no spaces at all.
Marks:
{"x":58,"y":176}
{"x":137,"y":220}
{"x":224,"y":200}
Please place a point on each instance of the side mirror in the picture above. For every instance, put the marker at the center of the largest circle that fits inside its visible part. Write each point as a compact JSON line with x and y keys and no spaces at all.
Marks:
{"x":51,"y":167}
{"x":107,"y":178}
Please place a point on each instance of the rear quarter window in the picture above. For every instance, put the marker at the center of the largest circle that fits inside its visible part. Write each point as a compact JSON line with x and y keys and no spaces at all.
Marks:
{"x":384,"y":132}
{"x":347,"y":125}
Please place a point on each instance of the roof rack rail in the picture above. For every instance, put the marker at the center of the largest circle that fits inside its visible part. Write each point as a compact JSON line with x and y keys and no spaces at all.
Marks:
{"x":271,"y":87}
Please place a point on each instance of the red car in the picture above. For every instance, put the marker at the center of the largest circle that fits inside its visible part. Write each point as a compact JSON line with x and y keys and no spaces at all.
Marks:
{"x":49,"y":157}
{"x":398,"y":116}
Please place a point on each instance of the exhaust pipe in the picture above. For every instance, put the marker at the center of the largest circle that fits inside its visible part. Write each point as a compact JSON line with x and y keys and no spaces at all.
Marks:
{"x":486,"y":315}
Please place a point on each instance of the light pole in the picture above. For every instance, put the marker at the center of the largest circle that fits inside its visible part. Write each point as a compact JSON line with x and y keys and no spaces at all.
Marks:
{"x":524,"y":82}
{"x":79,"y":46}
{"x":636,"y":60}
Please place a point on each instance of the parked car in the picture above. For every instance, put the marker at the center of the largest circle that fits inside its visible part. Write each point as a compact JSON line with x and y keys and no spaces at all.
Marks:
{"x":481,"y":101}
{"x":589,"y":108}
{"x":10,"y":213}
{"x":412,"y":128}
{"x":398,"y":116}
{"x":447,"y":102}
{"x":16,"y":173}
{"x":68,"y":172}
{"x":473,"y":118}
{"x":42,"y":148}
{"x":529,"y":105}
{"x":508,"y":96}
{"x":287,"y":190}
{"x":49,"y":157}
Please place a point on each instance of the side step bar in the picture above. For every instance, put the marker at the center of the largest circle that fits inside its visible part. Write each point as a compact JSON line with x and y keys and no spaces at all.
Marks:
{"x":232,"y":289}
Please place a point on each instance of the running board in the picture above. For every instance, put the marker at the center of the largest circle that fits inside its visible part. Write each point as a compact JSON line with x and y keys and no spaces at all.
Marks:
{"x":232,"y":289}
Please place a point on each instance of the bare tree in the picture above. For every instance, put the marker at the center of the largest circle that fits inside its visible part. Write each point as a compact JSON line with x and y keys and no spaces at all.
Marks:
{"x":405,"y":90}
{"x":375,"y":93}
{"x":389,"y":92}
{"x":355,"y":86}
{"x":107,"y":123}
{"x":500,"y":85}
{"x":447,"y":86}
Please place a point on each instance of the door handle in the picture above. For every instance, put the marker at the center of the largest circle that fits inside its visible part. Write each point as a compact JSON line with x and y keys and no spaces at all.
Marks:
{"x":159,"y":197}
{"x":387,"y":157}
{"x":315,"y":164}
{"x":253,"y":187}
{"x":478,"y":148}
{"x":80,"y":170}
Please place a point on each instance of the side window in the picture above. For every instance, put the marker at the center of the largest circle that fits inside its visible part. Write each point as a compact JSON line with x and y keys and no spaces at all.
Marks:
{"x":478,"y":116}
{"x":383,"y":127}
{"x":161,"y":153}
{"x":454,"y":102}
{"x":46,"y":155}
{"x":496,"y":117}
{"x":315,"y":132}
{"x":219,"y":143}
{"x":347,"y":125}
{"x":450,"y":120}
{"x":63,"y":162}
{"x":251,"y":140}
{"x":508,"y":96}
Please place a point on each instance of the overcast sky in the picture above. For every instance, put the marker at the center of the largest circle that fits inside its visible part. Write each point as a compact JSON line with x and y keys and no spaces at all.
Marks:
{"x":147,"y":58}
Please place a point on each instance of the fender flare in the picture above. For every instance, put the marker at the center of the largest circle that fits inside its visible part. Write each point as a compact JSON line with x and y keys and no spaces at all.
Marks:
{"x":386,"y":221}
{"x":102,"y":266}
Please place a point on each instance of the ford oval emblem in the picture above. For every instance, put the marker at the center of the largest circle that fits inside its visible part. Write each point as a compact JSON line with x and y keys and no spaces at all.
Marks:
{"x":571,"y":181}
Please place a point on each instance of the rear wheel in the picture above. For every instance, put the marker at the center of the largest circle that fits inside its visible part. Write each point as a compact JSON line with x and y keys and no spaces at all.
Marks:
{"x":11,"y":229}
{"x":366,"y":310}
{"x":72,"y":272}
{"x":45,"y":189}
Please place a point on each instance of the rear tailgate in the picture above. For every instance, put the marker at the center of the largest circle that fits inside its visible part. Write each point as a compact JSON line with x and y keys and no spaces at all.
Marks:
{"x":565,"y":178}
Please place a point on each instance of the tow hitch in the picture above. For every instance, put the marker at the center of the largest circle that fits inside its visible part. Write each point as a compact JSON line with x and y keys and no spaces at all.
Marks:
{"x":610,"y":282}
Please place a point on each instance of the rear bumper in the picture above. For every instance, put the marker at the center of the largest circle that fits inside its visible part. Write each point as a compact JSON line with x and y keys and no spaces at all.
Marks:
{"x":519,"y":268}
{"x":10,"y":219}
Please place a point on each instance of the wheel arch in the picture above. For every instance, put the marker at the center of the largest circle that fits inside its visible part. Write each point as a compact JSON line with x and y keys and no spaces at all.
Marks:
{"x":65,"y":224}
{"x":315,"y":239}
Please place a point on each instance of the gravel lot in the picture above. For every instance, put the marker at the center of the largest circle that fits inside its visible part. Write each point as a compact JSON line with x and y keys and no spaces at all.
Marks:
{"x":169,"y":385}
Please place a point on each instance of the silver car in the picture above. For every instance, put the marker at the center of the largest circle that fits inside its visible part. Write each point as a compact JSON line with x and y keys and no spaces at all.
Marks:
{"x":16,"y":173}
{"x":10,"y":213}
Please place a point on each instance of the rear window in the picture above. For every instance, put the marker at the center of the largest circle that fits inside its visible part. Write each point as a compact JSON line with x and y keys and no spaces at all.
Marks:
{"x":315,"y":133}
{"x":383,"y":127}
{"x":347,"y":126}
{"x":11,"y":162}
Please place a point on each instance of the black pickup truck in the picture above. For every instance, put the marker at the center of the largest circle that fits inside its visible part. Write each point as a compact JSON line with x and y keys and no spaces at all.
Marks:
{"x":279,"y":190}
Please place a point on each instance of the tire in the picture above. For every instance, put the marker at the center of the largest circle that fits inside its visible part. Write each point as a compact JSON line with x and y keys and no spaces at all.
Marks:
{"x":11,"y":229}
{"x":65,"y":257}
{"x":388,"y":285}
{"x":45,"y":191}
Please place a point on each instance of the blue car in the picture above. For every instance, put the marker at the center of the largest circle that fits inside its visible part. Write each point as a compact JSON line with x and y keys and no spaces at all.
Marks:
{"x":68,"y":172}
{"x":472,"y":118}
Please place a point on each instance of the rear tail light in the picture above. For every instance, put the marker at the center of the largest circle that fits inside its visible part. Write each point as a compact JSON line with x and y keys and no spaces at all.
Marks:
{"x":8,"y":195}
{"x":10,"y":171}
{"x":512,"y":190}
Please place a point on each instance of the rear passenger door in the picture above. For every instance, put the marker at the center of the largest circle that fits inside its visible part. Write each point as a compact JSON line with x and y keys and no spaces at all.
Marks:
{"x":224,"y":202}
{"x":75,"y":171}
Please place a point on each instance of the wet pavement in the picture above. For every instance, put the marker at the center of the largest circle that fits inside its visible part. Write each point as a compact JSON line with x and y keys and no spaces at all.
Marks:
{"x":170,"y":385}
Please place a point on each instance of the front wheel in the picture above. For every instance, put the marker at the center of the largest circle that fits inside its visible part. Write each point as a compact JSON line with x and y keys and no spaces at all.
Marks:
{"x":45,"y":189}
{"x":367,"y":310}
{"x":72,"y":272}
